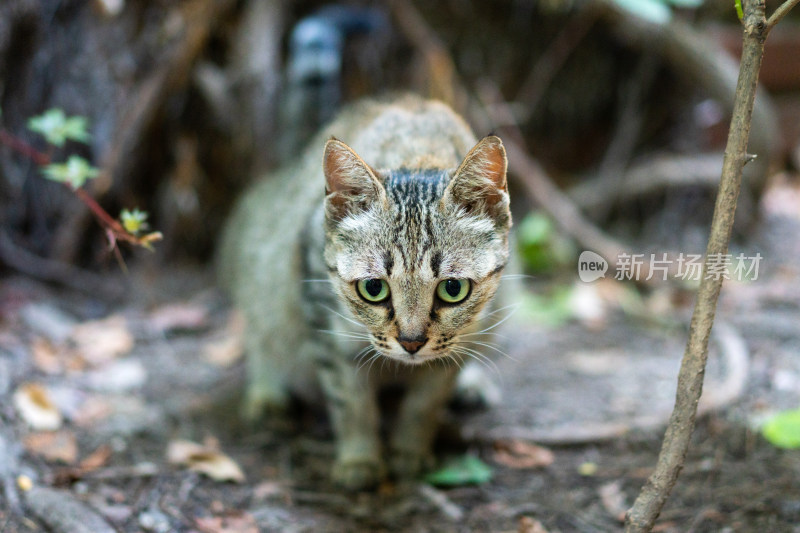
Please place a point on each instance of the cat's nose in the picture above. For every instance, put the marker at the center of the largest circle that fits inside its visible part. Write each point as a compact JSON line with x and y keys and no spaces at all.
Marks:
{"x":412,"y":345}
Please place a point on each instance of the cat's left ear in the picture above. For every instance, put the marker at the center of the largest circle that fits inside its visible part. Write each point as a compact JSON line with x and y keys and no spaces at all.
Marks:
{"x":350,"y":184}
{"x":479,"y":185}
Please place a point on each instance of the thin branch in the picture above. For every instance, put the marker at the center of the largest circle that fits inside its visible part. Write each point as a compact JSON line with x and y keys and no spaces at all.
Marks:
{"x":109,"y":223}
{"x":781,"y":12}
{"x":642,"y":516}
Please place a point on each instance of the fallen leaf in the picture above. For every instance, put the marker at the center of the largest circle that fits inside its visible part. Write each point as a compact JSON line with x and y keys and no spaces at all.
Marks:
{"x":224,"y":352}
{"x":96,"y":459}
{"x":587,"y":469}
{"x":205,"y":460}
{"x":101,"y":341}
{"x":118,"y":376}
{"x":175,"y":317}
{"x":94,"y":410}
{"x":529,"y":525}
{"x":613,"y":499}
{"x":46,"y":356}
{"x":229,"y":348}
{"x":521,"y":454}
{"x":464,"y":470}
{"x":241,"y":522}
{"x":268,"y":489}
{"x":55,"y":446}
{"x":24,"y":483}
{"x":37,"y":409}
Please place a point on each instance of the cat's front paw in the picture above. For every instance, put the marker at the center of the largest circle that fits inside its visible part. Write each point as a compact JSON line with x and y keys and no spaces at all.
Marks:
{"x":358,"y":474}
{"x":406,"y":465}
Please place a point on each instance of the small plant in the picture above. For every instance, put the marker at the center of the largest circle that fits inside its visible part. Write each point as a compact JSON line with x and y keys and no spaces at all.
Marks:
{"x":57,"y":128}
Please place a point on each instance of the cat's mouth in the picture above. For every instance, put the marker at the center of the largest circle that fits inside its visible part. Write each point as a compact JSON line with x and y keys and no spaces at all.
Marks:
{"x":401,"y":354}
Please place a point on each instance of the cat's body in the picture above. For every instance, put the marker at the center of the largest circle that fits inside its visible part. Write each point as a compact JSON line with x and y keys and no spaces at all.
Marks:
{"x":384,"y":249}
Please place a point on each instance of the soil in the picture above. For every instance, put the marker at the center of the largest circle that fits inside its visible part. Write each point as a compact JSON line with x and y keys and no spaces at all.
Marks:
{"x":594,"y":393}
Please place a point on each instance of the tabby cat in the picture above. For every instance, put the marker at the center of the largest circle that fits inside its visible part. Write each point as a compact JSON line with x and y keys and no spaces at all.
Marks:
{"x":384,"y":249}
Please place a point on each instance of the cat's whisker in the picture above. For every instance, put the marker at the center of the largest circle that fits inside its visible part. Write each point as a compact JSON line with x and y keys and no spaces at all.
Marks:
{"x":517,"y":276}
{"x":483,"y":357}
{"x":337,"y":313}
{"x":479,"y":357}
{"x":363,"y":352}
{"x":492,"y":347}
{"x":513,"y":307}
{"x":372,"y":353}
{"x":346,"y":334}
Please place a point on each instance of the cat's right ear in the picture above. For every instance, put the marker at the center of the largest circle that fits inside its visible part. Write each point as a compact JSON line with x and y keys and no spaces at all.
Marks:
{"x":351,"y":185}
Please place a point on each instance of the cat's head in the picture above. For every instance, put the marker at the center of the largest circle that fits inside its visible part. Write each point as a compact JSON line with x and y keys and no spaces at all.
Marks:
{"x":415,"y":254}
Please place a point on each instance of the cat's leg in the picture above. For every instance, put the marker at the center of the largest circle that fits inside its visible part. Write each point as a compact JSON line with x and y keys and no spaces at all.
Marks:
{"x":428,"y":391}
{"x":266,"y":381}
{"x":353,"y":409}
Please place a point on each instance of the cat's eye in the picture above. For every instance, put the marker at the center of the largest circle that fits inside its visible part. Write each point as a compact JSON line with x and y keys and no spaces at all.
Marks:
{"x":373,"y":290}
{"x":453,"y":291}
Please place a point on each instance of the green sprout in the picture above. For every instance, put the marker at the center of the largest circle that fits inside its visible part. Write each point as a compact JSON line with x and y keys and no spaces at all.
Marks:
{"x":74,"y":172}
{"x":57,"y":128}
{"x":134,"y":221}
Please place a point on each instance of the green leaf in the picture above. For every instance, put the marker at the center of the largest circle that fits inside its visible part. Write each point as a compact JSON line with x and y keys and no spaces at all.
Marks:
{"x":541,"y":247}
{"x":74,"y":172}
{"x":134,"y":221}
{"x":57,"y":128}
{"x":783,"y":429}
{"x":739,"y":11}
{"x":463,"y":470}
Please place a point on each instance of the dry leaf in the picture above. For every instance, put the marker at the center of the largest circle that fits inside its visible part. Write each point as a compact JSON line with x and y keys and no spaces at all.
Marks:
{"x":613,"y":499}
{"x":96,"y":459}
{"x":205,"y":460}
{"x":225,"y":351}
{"x":46,"y":357}
{"x":529,"y":525}
{"x":53,"y":446}
{"x":37,"y":409}
{"x":240,"y":522}
{"x":230,"y":347}
{"x":521,"y":454}
{"x":24,"y":483}
{"x":102,"y":340}
{"x":94,"y":410}
{"x":183,"y":316}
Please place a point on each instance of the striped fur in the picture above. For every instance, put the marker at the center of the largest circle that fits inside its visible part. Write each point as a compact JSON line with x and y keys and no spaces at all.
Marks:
{"x":409,"y":197}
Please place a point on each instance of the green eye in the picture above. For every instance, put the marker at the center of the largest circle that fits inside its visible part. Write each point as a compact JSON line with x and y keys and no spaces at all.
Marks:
{"x":453,"y":291}
{"x":373,"y":290}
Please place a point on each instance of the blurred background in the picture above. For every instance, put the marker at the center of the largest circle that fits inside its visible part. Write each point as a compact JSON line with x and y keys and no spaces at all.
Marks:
{"x":615,"y":115}
{"x":624,"y":105}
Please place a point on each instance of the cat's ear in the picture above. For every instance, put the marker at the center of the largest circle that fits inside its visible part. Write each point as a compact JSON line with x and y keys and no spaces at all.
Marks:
{"x":479,"y":184}
{"x":350,"y":184}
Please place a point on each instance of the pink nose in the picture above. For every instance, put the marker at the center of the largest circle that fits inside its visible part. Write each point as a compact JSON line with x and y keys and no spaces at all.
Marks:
{"x":412,"y":346}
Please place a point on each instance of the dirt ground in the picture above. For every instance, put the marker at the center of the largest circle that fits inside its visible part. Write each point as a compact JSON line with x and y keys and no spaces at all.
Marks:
{"x":570,"y":443}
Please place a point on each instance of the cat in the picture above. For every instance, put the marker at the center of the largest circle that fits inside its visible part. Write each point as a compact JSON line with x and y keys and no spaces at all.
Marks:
{"x":384,"y":242}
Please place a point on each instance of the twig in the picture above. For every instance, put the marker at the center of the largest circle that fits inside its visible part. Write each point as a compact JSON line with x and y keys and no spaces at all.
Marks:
{"x":542,"y":190}
{"x":781,"y":12}
{"x":553,"y":58}
{"x":55,"y":271}
{"x":662,"y":172}
{"x":642,"y":516}
{"x":441,"y":71}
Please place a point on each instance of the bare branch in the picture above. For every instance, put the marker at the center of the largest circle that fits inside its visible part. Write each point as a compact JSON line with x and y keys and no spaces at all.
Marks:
{"x":642,"y":516}
{"x":780,"y":13}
